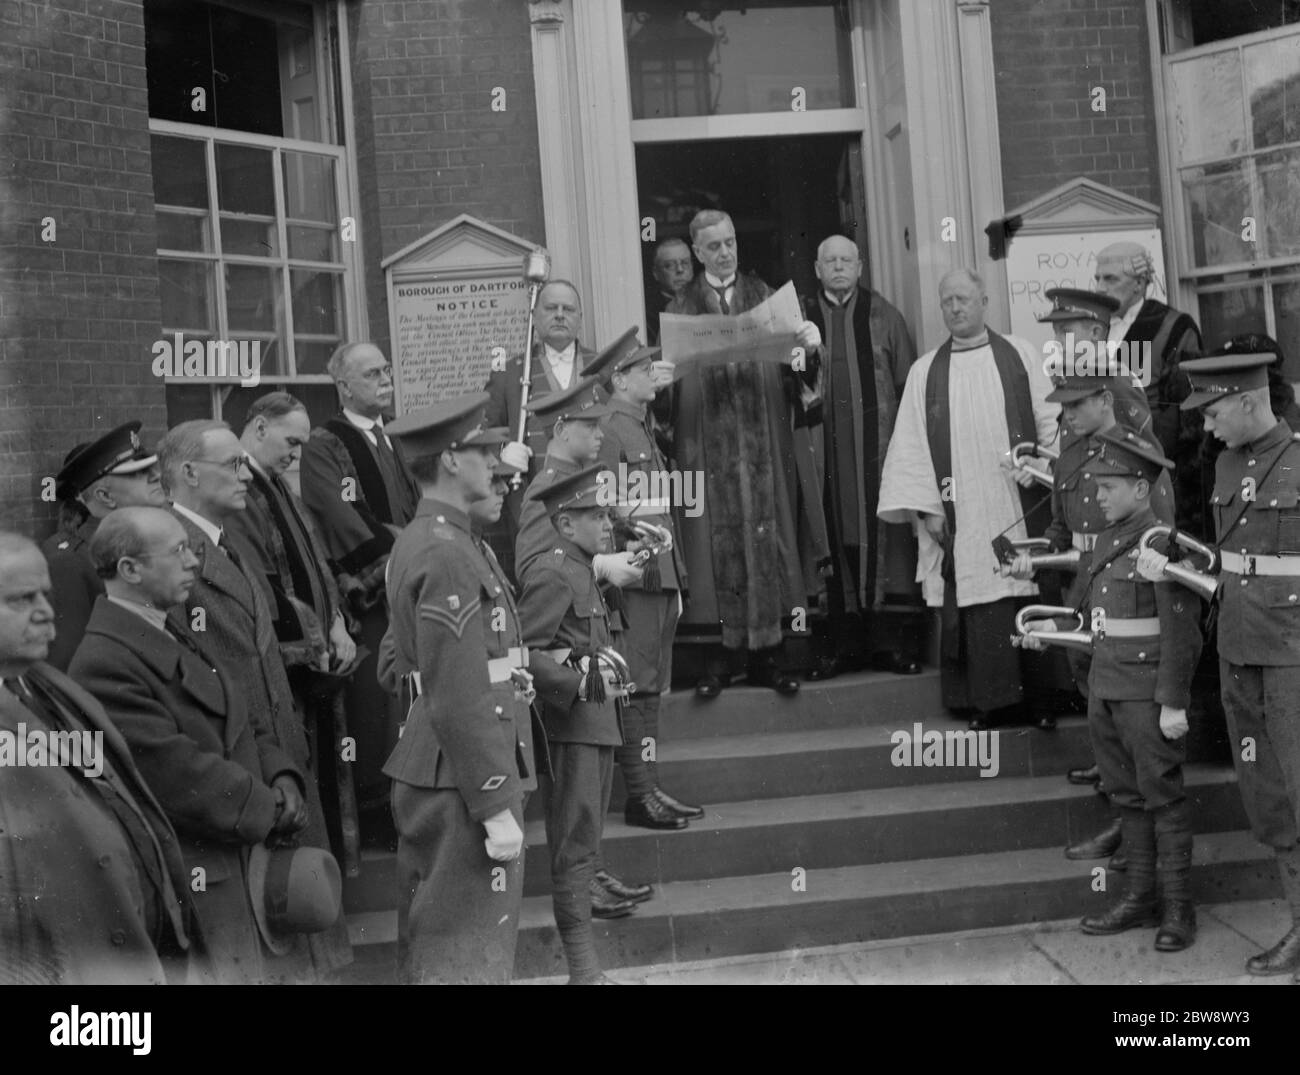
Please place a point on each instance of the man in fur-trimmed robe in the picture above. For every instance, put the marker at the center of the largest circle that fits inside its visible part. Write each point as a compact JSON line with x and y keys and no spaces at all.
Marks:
{"x":853,"y":385}
{"x":965,"y":405}
{"x":761,"y":534}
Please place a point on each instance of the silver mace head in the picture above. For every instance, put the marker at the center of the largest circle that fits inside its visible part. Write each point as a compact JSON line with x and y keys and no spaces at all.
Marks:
{"x":537,"y":267}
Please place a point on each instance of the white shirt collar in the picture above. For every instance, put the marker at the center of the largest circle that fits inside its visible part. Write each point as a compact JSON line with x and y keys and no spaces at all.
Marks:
{"x":155,"y":616}
{"x":563,"y":363}
{"x":1119,"y":326}
{"x":210,"y":529}
{"x":567,"y":355}
{"x":839,"y":302}
{"x":361,"y":421}
{"x":713,"y":281}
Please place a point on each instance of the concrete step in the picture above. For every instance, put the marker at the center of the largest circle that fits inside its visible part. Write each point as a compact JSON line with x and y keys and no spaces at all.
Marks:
{"x":849,"y":700}
{"x":705,"y":919}
{"x":846,"y":829}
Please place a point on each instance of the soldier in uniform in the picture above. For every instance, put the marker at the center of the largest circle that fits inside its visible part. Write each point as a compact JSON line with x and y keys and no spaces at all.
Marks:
{"x":113,"y":472}
{"x":1256,"y":493}
{"x":1147,"y":641}
{"x":464,"y":763}
{"x":1090,"y":405}
{"x":652,"y":605}
{"x":562,"y":610}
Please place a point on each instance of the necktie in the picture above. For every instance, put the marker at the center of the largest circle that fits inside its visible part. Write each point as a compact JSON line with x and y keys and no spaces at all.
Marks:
{"x":722,"y":298}
{"x":18,"y":688}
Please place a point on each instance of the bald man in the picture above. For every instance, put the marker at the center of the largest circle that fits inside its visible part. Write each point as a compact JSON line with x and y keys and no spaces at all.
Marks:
{"x":852,"y":386}
{"x":1124,"y":272}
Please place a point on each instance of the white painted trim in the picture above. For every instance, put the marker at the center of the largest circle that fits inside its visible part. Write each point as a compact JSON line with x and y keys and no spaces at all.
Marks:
{"x":358,"y":326}
{"x":883,"y":265}
{"x":609,"y":166}
{"x":745,"y":124}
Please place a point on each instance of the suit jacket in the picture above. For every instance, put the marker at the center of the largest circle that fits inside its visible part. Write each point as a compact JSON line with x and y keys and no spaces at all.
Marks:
{"x":70,"y":891}
{"x":238,"y":633}
{"x":505,"y":390}
{"x":73,"y":587}
{"x":209,"y":765}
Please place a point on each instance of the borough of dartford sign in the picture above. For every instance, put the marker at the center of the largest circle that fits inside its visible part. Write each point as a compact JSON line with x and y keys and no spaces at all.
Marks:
{"x":456,"y":299}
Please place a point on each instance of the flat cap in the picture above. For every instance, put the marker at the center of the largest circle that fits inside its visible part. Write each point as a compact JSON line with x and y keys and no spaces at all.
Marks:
{"x":450,"y":425}
{"x":1224,"y":375}
{"x":1073,"y":303}
{"x":578,"y":401}
{"x":606,"y":362}
{"x":589,"y":488}
{"x":1126,"y":454}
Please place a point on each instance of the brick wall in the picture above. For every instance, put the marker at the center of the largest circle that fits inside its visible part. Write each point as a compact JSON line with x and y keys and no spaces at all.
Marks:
{"x":1049,"y":54}
{"x":429,"y":145}
{"x":77,"y":315}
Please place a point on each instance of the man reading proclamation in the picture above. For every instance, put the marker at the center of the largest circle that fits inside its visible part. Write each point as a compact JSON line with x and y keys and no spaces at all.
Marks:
{"x":964,"y":406}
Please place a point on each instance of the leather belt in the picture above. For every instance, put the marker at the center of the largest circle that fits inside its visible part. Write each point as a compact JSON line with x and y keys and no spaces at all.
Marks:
{"x":1247,"y":564}
{"x":1083,"y":542}
{"x":559,"y":656}
{"x":1136,"y":627}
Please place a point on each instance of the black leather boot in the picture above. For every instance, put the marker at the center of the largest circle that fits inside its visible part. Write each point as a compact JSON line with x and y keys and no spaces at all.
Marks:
{"x":647,"y":812}
{"x":1101,"y":846}
{"x":1173,"y":827}
{"x":1137,"y":907}
{"x":681,"y":809}
{"x":1285,"y":955}
{"x":621,"y":890}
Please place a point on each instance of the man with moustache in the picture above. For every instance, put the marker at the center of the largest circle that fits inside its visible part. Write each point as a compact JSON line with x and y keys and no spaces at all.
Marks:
{"x":357,"y":485}
{"x":558,"y":364}
{"x":852,"y":387}
{"x":115,"y":471}
{"x":752,"y":554}
{"x":206,"y":474}
{"x":93,"y":889}
{"x":309,"y":619}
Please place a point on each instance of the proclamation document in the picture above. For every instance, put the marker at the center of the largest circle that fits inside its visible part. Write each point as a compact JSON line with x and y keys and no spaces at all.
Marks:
{"x":764,"y":334}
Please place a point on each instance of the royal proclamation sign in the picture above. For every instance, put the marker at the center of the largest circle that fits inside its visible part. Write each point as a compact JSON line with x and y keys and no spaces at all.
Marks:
{"x":456,"y":300}
{"x":1058,"y":242}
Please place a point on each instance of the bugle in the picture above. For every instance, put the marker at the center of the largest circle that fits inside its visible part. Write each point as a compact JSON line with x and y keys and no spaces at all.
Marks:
{"x":1079,"y":638}
{"x":611,"y":659}
{"x":1199,"y":582}
{"x":1033,"y":459}
{"x":654,"y":539}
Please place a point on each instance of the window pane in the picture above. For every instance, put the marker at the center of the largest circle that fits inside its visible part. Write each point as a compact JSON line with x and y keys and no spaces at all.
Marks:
{"x":253,"y":299}
{"x":180,"y":173}
{"x":309,"y":187}
{"x":1218,"y":197}
{"x":245,"y":182}
{"x":1207,"y":106}
{"x":744,"y":58}
{"x":242,"y":235}
{"x":1279,"y":179}
{"x":1286,"y":312}
{"x":311,"y":355}
{"x":1273,"y":82}
{"x":182,"y":231}
{"x":315,"y":302}
{"x":1225,"y":314}
{"x":185,"y":290}
{"x":312,"y":244}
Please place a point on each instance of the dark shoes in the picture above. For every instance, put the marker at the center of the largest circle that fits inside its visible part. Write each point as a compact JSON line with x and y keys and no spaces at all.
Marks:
{"x":709,"y":686}
{"x":1177,"y":926}
{"x":605,"y":904}
{"x":885,"y":661}
{"x":681,"y":809}
{"x":1090,"y":775}
{"x":767,"y":673}
{"x":621,"y":890}
{"x":1281,"y":958}
{"x":979,"y":722}
{"x":1101,"y":846}
{"x":1046,"y":722}
{"x":1130,"y":912}
{"x":648,"y":812}
{"x":825,"y":668}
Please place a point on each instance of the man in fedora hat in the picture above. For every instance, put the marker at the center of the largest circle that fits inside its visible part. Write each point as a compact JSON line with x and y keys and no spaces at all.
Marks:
{"x":223,"y":780}
{"x":115,"y":471}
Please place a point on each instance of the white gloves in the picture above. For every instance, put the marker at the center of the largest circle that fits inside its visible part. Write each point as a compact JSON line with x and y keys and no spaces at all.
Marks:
{"x":616,"y":567}
{"x":516,"y":454}
{"x":1151,"y":565}
{"x":1173,"y":722}
{"x":505,"y":839}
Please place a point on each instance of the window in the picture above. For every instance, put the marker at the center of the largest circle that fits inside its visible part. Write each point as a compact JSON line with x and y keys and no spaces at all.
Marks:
{"x":1235,"y":147}
{"x":249,"y":185}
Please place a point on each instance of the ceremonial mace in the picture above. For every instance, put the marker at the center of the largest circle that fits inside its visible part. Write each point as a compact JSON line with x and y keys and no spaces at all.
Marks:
{"x":537,"y":269}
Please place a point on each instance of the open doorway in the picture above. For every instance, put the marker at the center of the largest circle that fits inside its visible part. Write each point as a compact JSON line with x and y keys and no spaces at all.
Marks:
{"x":784,"y":194}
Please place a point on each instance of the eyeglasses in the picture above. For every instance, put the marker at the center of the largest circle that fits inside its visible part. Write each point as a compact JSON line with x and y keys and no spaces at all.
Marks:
{"x":234,"y":465}
{"x":378,"y":373}
{"x":179,"y":551}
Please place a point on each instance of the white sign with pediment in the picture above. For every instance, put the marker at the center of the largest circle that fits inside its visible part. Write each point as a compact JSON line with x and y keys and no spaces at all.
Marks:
{"x":456,"y":299}
{"x":1058,"y":242}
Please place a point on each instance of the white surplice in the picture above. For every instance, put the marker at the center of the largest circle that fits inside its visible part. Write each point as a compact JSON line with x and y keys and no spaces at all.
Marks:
{"x":984,"y":494}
